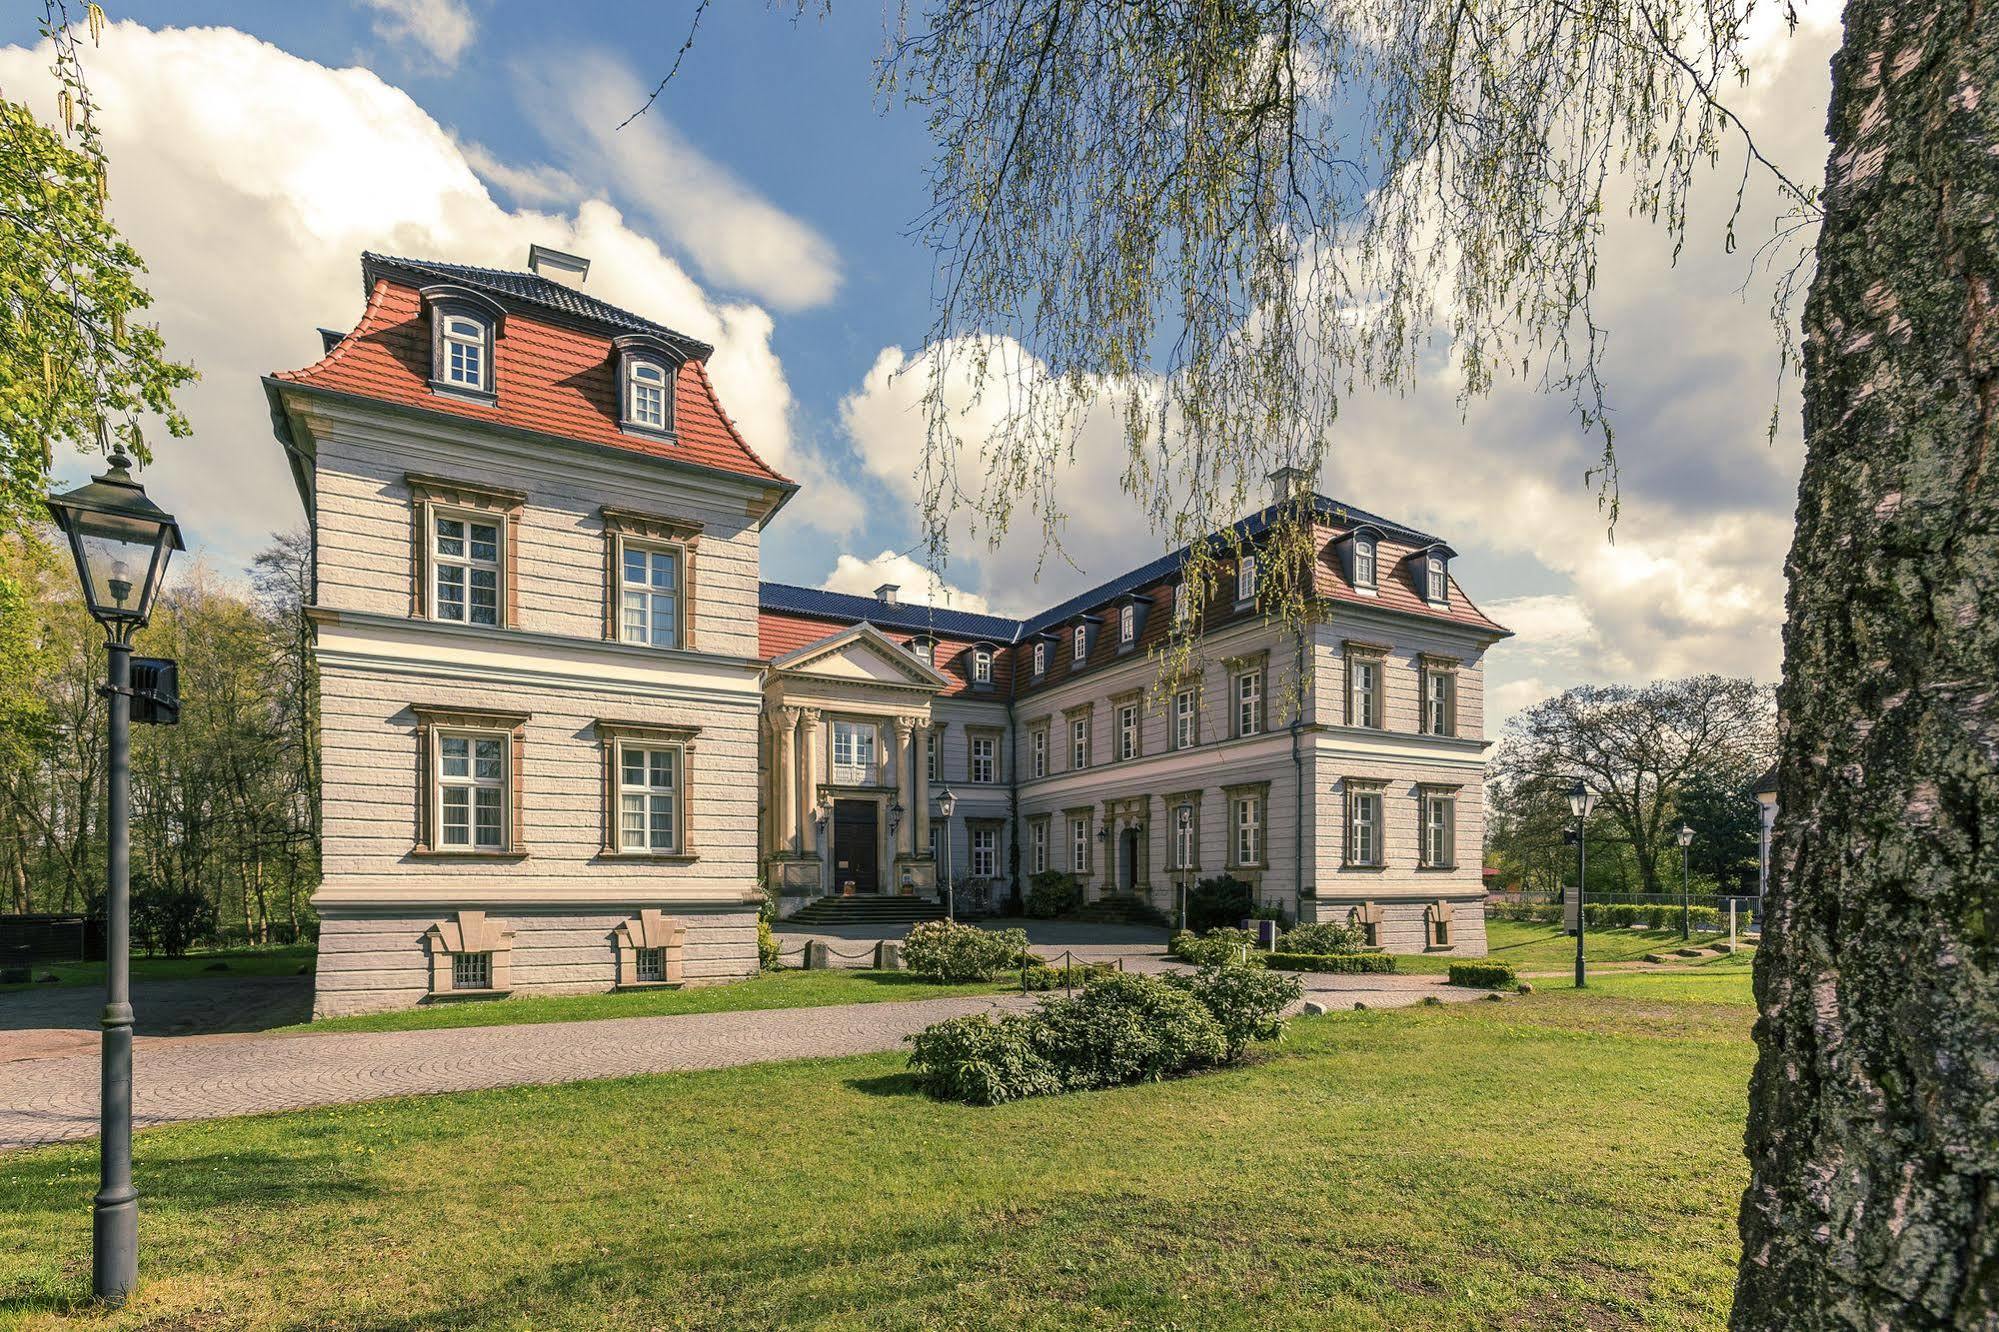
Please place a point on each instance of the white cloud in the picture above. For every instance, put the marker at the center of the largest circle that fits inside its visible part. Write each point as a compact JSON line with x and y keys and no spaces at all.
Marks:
{"x":443,"y":28}
{"x":915,"y":582}
{"x":251,"y":180}
{"x":736,"y":238}
{"x":534,"y":185}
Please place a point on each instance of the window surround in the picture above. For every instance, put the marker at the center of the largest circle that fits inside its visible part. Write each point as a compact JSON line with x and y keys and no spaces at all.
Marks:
{"x":1037,"y":748}
{"x":432,"y":497}
{"x":649,"y":931}
{"x":1086,"y":817}
{"x":1352,"y":652}
{"x":469,"y":934}
{"x":1437,"y":926}
{"x":870,"y":774}
{"x":1355,"y":788}
{"x":1236,"y":797}
{"x":1127,"y":625}
{"x":1079,"y":645}
{"x":973,"y":736}
{"x":980,"y":672}
{"x":1245,"y":579}
{"x":1432,"y":672}
{"x":1368,"y":916}
{"x":1256,"y":666}
{"x":1186,"y":728}
{"x":1083,"y":716}
{"x":975,"y":830}
{"x":1429,"y":797}
{"x":652,"y":531}
{"x":923,"y":647}
{"x":1175,"y":802}
{"x":1040,"y":658}
{"x":639,"y":349}
{"x":1183,"y":603}
{"x":432,"y":722}
{"x":443,"y":302}
{"x":613,"y":736}
{"x":1364,"y":560}
{"x":1430,"y":571}
{"x":1039,"y":834}
{"x":1128,"y":724}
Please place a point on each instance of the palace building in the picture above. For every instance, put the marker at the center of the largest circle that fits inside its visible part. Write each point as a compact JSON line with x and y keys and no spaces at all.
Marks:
{"x":568,"y":732}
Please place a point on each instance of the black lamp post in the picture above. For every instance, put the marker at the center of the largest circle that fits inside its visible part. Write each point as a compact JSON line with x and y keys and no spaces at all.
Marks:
{"x":121,"y":542}
{"x":946,"y":802}
{"x":1581,"y":801}
{"x":1686,"y":840}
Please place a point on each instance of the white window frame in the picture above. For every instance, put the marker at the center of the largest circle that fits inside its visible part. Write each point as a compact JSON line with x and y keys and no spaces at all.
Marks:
{"x":1079,"y":743}
{"x":648,"y":594}
{"x":1436,"y":587}
{"x":647,"y":792}
{"x":1183,"y":604}
{"x":1037,"y":752}
{"x":923,"y":650}
{"x":1037,"y":847}
{"x":1440,"y":702}
{"x":930,"y":756}
{"x":465,"y":352}
{"x":1185,"y":828}
{"x":1249,"y":703}
{"x":982,"y":763}
{"x":854,"y":770}
{"x":1186,"y":719}
{"x":1249,"y":830}
{"x":1440,"y":830}
{"x":1040,"y":658}
{"x":1245,"y":578}
{"x":648,"y":402}
{"x":1128,"y":736}
{"x":1363,"y":562}
{"x":1127,"y":623}
{"x":1364,"y":688}
{"x":1079,"y":846}
{"x":473,"y":783}
{"x":982,"y":666}
{"x":1081,"y":650}
{"x":985,"y":852}
{"x":1370,"y":801}
{"x":466,"y":565}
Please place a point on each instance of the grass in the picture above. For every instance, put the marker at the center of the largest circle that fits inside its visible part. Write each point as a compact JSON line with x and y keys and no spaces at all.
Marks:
{"x":1555,"y":1161}
{"x":283,"y":960}
{"x":1531,"y":947}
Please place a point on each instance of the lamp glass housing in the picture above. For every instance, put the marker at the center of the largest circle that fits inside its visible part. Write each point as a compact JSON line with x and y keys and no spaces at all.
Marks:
{"x":121,"y":542}
{"x":1581,"y":800}
{"x":1686,"y":835}
{"x":946,"y":802}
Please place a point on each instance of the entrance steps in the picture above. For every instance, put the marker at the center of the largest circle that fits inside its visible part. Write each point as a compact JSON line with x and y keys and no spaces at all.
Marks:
{"x":867,"y":909}
{"x":1118,"y":909}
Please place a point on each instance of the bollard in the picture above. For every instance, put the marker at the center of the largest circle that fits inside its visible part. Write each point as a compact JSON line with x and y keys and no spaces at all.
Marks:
{"x":1731,"y":925}
{"x":888,"y":955}
{"x":816,"y":958}
{"x":1067,"y":992}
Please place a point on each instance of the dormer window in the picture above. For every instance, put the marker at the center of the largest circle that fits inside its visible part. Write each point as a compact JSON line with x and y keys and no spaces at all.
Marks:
{"x":1363,"y":561}
{"x":1040,"y":658}
{"x":982,"y":666}
{"x":1081,"y":649}
{"x":1245,"y":579}
{"x":467,"y":361}
{"x":1127,"y":623}
{"x":1435,"y":585}
{"x":924,"y":650}
{"x":646,"y":394}
{"x":1183,"y":604}
{"x":463,"y":326}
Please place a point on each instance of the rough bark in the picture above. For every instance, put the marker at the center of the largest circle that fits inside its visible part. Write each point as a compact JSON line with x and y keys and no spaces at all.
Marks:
{"x":1874,"y":1116}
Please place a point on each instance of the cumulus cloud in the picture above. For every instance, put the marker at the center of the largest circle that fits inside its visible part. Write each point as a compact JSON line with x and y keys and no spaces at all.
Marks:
{"x":441,"y":28}
{"x":252,"y":180}
{"x":915,"y":582}
{"x":736,"y":238}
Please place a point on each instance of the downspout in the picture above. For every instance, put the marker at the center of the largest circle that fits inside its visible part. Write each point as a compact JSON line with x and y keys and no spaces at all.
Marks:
{"x":1013,"y":795}
{"x":1298,"y":781}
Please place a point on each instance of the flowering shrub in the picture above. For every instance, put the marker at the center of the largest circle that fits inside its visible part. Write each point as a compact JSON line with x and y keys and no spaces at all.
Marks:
{"x":1325,"y":937}
{"x":1247,"y":1003}
{"x":981,"y":1061}
{"x":1215,"y":948}
{"x":944,"y":950}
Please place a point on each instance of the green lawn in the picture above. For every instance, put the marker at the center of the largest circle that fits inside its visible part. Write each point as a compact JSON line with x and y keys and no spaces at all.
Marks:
{"x":1530,"y":946}
{"x":1555,"y":1161}
{"x":286,"y":960}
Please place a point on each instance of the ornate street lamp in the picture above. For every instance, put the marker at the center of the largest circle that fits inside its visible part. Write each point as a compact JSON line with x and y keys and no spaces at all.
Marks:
{"x":946,"y":802}
{"x":1686,"y":840}
{"x":1581,"y":801}
{"x":121,"y":542}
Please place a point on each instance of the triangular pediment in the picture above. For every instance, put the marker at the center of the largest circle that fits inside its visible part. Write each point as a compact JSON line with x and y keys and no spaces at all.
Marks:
{"x":863,"y":655}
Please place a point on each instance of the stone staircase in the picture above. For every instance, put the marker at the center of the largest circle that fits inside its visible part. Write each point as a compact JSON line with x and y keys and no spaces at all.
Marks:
{"x":1118,"y":909}
{"x":866,"y":909}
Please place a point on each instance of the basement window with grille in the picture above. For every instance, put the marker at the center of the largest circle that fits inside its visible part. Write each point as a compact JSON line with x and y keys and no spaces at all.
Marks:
{"x":471,"y":971}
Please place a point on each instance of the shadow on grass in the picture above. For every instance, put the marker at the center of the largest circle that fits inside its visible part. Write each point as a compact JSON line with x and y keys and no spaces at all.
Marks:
{"x":888,"y":1084}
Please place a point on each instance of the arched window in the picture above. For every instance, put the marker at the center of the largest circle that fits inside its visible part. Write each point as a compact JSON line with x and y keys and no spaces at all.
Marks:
{"x":466,"y":359}
{"x":646,"y":394}
{"x":1363,"y":561}
{"x":982,"y":666}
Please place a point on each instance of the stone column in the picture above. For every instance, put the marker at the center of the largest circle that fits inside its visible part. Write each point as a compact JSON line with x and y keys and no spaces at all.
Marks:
{"x":808,"y":782}
{"x":921,"y":781}
{"x":905,"y":784}
{"x":787,"y":780}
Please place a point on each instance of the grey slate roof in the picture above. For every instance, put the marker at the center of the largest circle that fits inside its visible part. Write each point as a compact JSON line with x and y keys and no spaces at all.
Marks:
{"x":535,"y":289}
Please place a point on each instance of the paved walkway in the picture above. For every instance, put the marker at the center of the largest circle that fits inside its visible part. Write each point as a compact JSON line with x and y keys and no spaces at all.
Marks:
{"x":55,"y":1099}
{"x":63,"y":1019}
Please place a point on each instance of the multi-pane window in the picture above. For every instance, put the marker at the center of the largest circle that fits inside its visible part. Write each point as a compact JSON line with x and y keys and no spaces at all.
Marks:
{"x":1245,"y":578}
{"x":1438,"y":703}
{"x":465,"y":363}
{"x":1249,"y":830}
{"x":1186,"y":720}
{"x":1183,"y":837}
{"x":1037,"y":847}
{"x":648,"y":799}
{"x":1127,"y":731}
{"x":1249,"y":703}
{"x":1079,"y":743}
{"x":471,"y":971}
{"x":649,"y":595}
{"x":982,"y":666}
{"x":465,"y":563}
{"x":645,"y":395}
{"x":985,"y":758}
{"x":1040,"y":658}
{"x":650,"y":966}
{"x":1079,"y":845}
{"x":930,"y":756}
{"x":472,"y":791}
{"x":853,"y":752}
{"x":1127,"y":623}
{"x":1183,"y":604}
{"x":1081,"y":646}
{"x":1364,"y":687}
{"x":1364,"y":827}
{"x":923,"y":649}
{"x":1363,"y":562}
{"x":985,"y":852}
{"x":1037,"y":753}
{"x":1439,"y":830}
{"x":1433,"y":574}
{"x":936,"y":833}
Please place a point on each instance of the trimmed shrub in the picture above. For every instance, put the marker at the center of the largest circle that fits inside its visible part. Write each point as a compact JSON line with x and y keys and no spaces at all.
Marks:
{"x":1126,"y":1028}
{"x":1271,"y":911}
{"x":1324,"y":937}
{"x":944,"y":950}
{"x":982,"y":1062}
{"x":1247,"y":1003}
{"x":1349,"y":964}
{"x":1053,"y":893}
{"x":1215,"y":948}
{"x":1482,"y":975}
{"x":171,"y":920}
{"x":1220,"y":900}
{"x":767,"y":945}
{"x":1039,"y":974}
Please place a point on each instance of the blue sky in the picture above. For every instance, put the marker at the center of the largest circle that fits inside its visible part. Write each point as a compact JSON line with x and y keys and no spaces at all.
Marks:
{"x":766,"y":205}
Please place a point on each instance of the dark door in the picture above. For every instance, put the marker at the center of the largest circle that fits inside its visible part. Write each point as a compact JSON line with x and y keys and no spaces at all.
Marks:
{"x":1129,"y":851}
{"x":856,"y":848}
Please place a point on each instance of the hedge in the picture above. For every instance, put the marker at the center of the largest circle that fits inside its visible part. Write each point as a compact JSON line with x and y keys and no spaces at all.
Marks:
{"x":1486,"y":975}
{"x":1352,"y":964}
{"x":1052,"y":893}
{"x":1615,"y":915}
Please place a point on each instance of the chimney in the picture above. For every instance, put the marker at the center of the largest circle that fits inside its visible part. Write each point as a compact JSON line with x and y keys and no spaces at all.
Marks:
{"x":886,"y":594}
{"x":1288,"y":482}
{"x":556,"y":266}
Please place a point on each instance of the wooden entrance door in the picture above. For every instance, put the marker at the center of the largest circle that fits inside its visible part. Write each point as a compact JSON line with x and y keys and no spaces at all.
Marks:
{"x":856,"y":846}
{"x":1128,"y":853}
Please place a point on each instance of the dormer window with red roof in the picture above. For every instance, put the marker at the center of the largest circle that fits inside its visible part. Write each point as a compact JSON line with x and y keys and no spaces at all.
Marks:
{"x":647,"y":367}
{"x":466,"y":361}
{"x":1363,"y":560}
{"x":463,"y":327}
{"x":1436,"y":587}
{"x":645,"y":394}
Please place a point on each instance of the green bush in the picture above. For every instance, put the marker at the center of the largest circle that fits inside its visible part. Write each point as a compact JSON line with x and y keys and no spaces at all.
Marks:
{"x":1351,"y":964}
{"x":1483,"y":975}
{"x":1216,"y":947}
{"x":1247,"y":1003}
{"x":767,"y":945}
{"x":1039,"y":974}
{"x":981,"y":1061}
{"x":1053,"y":893}
{"x":1126,"y":1028}
{"x":944,"y":950}
{"x":1221,"y":900}
{"x":171,"y":920}
{"x":1324,"y":937}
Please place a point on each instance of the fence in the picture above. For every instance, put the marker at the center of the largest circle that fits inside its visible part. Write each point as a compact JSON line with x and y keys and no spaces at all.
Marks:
{"x":51,"y":938}
{"x":1659,"y":911}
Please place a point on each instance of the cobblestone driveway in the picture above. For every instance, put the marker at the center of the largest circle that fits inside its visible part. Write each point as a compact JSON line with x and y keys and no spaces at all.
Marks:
{"x":53,"y":1099}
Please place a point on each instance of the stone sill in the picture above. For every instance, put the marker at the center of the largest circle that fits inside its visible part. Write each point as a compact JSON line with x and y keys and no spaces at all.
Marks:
{"x":648,"y":857}
{"x":446,"y":996}
{"x":648,"y":985}
{"x":431,"y":853}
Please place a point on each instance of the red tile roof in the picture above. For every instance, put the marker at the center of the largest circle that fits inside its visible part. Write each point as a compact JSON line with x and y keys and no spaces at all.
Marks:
{"x":779,"y":633}
{"x":1395,"y":585}
{"x":552,"y":377}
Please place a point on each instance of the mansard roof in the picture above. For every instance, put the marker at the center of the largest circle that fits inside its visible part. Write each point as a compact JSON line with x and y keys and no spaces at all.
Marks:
{"x":913,"y":617}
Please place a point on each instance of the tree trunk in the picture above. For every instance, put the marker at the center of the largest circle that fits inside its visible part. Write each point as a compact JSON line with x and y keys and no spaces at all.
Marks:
{"x":1874,"y":1112}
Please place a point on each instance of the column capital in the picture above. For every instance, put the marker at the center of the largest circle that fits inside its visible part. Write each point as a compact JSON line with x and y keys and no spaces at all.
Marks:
{"x":904,"y":726}
{"x":789,"y":714}
{"x":811,"y":715}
